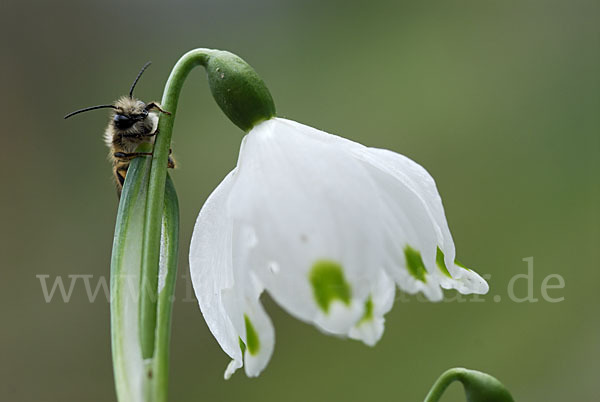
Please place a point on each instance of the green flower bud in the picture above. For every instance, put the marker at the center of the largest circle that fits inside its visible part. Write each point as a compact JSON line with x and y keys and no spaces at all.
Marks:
{"x":479,"y":387}
{"x":238,"y":90}
{"x":482,"y":387}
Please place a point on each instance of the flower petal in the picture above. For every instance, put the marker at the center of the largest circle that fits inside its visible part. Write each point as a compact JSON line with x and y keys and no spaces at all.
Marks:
{"x":212,"y":270}
{"x":319,"y":242}
{"x":227,"y":292}
{"x":420,"y":183}
{"x":369,"y":328}
{"x":256,"y":335}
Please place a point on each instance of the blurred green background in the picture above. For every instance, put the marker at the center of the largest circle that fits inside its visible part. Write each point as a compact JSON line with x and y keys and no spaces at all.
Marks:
{"x":499,"y":100}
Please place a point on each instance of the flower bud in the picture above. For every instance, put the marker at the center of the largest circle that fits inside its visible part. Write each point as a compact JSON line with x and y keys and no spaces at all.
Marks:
{"x":238,"y":90}
{"x":482,"y":387}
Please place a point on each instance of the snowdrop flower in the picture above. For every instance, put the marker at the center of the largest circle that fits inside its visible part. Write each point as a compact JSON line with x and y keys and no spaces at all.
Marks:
{"x":329,"y":228}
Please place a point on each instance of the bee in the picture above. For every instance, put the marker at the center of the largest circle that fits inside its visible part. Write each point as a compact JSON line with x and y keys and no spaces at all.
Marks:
{"x":132,"y":122}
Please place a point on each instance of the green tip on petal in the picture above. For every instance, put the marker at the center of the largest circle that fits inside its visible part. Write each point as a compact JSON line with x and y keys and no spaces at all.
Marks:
{"x":328,"y":283}
{"x":415,"y":264}
{"x":439,"y":259}
{"x":252,"y":341}
{"x":368,"y":315}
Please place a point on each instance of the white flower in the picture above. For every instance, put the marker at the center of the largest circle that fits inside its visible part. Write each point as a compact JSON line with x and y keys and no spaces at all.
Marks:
{"x":328,"y":227}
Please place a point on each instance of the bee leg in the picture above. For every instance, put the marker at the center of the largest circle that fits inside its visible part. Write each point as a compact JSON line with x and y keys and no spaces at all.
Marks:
{"x":120,"y":173}
{"x":171,"y":162}
{"x":151,"y":134}
{"x":154,"y":105}
{"x":130,"y":155}
{"x":140,"y":135}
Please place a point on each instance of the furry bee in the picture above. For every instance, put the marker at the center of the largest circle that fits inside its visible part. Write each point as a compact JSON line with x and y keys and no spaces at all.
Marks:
{"x":132,"y":122}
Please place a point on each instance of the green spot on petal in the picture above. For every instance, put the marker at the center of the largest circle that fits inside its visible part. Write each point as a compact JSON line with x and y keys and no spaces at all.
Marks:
{"x":368,"y":315}
{"x":415,"y":264}
{"x":252,"y":341}
{"x":329,"y":284}
{"x":439,"y":259}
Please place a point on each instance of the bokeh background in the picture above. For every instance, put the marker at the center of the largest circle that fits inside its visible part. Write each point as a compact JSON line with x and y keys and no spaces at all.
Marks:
{"x":500,"y":101}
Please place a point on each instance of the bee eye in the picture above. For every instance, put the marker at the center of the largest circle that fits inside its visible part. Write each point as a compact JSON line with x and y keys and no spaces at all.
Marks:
{"x":123,"y":122}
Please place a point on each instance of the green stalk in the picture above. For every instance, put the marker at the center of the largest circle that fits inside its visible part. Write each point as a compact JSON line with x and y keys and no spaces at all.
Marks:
{"x":479,"y":387}
{"x":154,"y":207}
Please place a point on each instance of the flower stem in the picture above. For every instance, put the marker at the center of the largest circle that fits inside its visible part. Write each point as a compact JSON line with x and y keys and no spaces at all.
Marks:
{"x":156,"y":194}
{"x":479,"y":387}
{"x":438,"y":388}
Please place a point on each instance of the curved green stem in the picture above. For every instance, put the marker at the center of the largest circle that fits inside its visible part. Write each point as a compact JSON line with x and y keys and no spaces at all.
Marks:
{"x":156,"y":192}
{"x":438,"y":388}
{"x":479,"y":387}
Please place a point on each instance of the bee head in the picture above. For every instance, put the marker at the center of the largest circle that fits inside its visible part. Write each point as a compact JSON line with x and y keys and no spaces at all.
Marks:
{"x":126,"y":121}
{"x":128,"y":112}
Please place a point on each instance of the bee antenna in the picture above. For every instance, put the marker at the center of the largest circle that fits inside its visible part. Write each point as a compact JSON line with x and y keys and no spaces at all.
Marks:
{"x":138,"y":77}
{"x":87,"y":109}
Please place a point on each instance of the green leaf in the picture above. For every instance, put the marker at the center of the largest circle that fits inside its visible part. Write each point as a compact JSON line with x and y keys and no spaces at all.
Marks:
{"x":128,"y":365}
{"x":166,"y":289}
{"x":136,"y":378}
